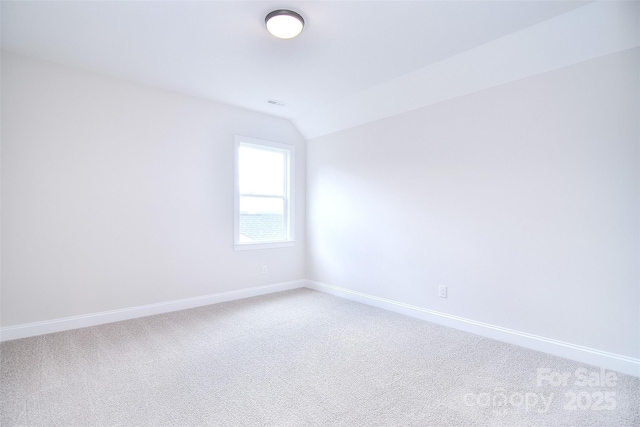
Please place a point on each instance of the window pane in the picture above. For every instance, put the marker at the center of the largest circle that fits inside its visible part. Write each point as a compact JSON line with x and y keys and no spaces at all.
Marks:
{"x":261,"y":171}
{"x":261,"y":219}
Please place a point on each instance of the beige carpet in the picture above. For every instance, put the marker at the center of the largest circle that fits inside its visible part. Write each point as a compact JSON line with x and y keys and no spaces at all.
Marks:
{"x":298,"y":358}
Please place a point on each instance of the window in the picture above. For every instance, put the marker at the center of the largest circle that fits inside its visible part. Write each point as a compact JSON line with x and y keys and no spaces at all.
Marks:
{"x":263,"y":194}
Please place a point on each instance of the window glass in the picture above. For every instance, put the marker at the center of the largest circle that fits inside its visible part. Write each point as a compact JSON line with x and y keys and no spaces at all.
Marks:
{"x":261,"y":171}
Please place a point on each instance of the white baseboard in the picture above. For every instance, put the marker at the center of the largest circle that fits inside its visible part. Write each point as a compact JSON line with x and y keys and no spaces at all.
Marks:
{"x":82,"y":321}
{"x":614,"y":362}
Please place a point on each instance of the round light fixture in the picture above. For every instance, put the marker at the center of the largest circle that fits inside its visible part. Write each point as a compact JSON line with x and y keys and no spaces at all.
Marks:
{"x":284,"y":24}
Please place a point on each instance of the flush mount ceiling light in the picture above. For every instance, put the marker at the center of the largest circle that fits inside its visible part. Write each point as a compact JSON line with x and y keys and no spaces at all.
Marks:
{"x":284,"y":24}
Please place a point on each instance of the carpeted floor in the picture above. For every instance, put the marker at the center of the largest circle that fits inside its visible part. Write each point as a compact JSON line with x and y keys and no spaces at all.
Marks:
{"x":298,"y":358}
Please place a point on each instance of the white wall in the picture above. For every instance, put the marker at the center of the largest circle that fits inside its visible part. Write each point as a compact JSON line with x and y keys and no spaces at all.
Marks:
{"x":523,"y":199}
{"x":116,"y":194}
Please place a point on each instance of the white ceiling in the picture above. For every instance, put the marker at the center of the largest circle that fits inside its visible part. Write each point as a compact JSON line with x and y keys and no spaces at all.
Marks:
{"x":220,"y":50}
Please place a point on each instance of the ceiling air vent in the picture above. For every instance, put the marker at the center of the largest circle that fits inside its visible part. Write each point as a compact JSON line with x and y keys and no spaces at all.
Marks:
{"x":276,"y":102}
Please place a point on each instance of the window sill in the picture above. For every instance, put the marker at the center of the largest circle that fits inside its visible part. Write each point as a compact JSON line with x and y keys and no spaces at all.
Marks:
{"x":269,"y":245}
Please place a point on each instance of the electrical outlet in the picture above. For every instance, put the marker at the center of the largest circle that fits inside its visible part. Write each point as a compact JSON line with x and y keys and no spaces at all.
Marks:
{"x":263,"y":269}
{"x":442,"y":291}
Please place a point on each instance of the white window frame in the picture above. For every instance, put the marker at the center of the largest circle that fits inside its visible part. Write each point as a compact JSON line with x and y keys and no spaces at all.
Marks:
{"x":289,"y":192}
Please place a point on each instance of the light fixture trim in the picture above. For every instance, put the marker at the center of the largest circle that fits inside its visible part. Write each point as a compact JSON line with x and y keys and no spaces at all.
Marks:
{"x":284,"y":23}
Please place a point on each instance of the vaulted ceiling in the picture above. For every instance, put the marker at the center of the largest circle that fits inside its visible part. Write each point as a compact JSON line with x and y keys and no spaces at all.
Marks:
{"x":355,"y":61}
